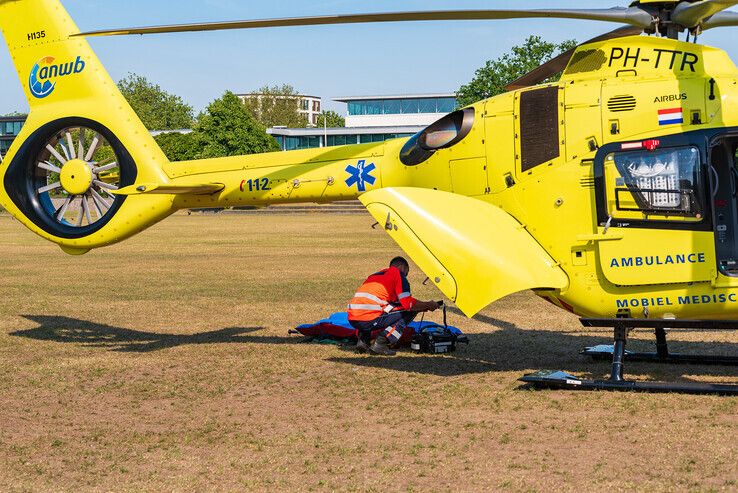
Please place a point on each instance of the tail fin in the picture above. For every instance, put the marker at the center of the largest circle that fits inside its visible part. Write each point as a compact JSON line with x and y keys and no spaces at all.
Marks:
{"x":68,"y":88}
{"x":61,"y":75}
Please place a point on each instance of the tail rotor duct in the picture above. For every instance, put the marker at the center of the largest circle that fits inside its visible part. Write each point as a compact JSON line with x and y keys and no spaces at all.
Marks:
{"x":65,"y":176}
{"x":76,"y":173}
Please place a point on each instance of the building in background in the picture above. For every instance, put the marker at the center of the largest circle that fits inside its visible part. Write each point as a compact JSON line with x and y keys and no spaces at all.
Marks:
{"x":408,"y":110}
{"x":310,"y":106}
{"x":371,"y":119}
{"x":290,"y":139}
{"x":10,"y":127}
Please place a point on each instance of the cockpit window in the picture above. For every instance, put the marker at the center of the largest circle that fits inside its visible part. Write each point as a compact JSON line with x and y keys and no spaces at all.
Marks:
{"x":445,"y":133}
{"x":660,"y":184}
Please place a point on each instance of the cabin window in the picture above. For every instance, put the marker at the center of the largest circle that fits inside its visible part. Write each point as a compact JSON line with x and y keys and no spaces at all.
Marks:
{"x":660,"y":184}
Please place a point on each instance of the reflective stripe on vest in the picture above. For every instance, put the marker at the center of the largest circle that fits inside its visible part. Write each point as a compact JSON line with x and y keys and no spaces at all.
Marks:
{"x":365,"y":307}
{"x":371,"y":297}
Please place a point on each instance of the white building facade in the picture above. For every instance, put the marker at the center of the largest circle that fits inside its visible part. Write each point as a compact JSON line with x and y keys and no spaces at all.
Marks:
{"x":310,"y":106}
{"x":371,"y":119}
{"x":403,"y":110}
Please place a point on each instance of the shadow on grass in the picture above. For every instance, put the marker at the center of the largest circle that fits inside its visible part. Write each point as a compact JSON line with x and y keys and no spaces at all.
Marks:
{"x":70,"y":330}
{"x":508,"y":348}
{"x":513,"y":348}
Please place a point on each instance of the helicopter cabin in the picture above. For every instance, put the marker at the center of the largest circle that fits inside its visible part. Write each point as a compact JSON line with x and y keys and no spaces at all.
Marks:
{"x":651,"y":127}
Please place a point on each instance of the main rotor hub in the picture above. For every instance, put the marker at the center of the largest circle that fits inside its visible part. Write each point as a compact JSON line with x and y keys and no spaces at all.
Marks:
{"x":76,"y":177}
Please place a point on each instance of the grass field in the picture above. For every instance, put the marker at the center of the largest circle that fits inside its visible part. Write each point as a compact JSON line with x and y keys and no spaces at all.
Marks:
{"x":164,"y":363}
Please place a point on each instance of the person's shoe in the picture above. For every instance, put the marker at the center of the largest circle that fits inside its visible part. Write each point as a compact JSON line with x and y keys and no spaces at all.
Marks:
{"x":381,"y":347}
{"x":361,"y":346}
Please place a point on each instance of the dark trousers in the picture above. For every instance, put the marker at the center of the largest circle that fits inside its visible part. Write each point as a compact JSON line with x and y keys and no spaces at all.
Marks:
{"x":393,"y":324}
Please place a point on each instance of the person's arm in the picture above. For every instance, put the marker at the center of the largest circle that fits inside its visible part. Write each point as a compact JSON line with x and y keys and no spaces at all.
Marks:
{"x":408,"y":302}
{"x":404,"y":297}
{"x":425,"y":306}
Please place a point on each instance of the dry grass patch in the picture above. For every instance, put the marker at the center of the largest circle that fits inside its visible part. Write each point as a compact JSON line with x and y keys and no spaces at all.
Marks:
{"x":164,"y":363}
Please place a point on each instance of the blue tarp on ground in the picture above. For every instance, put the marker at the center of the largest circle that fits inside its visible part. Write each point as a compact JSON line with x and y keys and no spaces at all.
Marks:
{"x":338,"y":326}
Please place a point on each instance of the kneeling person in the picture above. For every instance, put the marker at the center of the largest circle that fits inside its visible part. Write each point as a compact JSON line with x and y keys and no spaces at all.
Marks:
{"x":384,"y":302}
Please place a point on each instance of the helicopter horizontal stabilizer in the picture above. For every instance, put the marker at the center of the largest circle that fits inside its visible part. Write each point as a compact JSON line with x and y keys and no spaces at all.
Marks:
{"x":474,"y":252}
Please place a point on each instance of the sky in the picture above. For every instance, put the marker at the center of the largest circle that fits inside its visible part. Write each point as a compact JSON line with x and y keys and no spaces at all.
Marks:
{"x":325,"y":61}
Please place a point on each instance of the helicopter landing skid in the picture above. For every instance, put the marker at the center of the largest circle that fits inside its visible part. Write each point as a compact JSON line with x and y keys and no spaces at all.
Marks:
{"x":604,"y":352}
{"x":562,"y":380}
{"x":618,"y":353}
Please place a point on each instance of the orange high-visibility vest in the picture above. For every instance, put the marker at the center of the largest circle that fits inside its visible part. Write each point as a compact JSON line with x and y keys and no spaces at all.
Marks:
{"x":381,"y":293}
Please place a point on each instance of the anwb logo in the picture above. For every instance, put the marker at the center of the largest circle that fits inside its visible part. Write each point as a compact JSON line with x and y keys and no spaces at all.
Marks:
{"x":45,"y":73}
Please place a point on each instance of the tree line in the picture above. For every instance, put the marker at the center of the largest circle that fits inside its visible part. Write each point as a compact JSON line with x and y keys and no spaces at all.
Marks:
{"x":229,"y":126}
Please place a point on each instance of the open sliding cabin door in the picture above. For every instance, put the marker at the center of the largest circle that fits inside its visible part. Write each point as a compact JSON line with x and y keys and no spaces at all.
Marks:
{"x":724,"y":186}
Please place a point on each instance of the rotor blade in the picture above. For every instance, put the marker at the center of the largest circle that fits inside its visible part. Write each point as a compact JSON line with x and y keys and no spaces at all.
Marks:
{"x":99,"y":198}
{"x":691,"y":15}
{"x":63,"y":208}
{"x":96,"y":206}
{"x":70,"y":141}
{"x":86,"y":209}
{"x":102,"y":184}
{"x":81,"y":143}
{"x":64,"y":150}
{"x":631,"y":15}
{"x":93,"y":147}
{"x":49,"y":167}
{"x":107,"y":167}
{"x":49,"y":187}
{"x":109,"y":192}
{"x":81,"y":212}
{"x":559,"y":63}
{"x":56,"y":154}
{"x":721,"y":19}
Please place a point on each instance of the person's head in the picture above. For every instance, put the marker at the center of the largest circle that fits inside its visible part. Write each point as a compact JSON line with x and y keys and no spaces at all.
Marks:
{"x":401,"y":264}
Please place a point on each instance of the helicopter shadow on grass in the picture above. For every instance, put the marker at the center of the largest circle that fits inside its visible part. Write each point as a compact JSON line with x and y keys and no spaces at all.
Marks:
{"x":70,"y":330}
{"x":509,"y":348}
{"x":513,"y":348}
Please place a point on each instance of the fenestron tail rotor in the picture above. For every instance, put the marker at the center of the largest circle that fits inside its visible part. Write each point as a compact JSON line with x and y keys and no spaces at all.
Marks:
{"x":76,"y":174}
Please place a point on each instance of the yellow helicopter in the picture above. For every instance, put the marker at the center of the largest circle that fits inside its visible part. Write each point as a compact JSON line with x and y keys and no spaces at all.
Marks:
{"x":612,"y":192}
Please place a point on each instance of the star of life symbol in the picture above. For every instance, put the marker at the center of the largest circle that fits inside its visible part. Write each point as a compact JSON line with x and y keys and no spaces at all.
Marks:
{"x":360,"y":175}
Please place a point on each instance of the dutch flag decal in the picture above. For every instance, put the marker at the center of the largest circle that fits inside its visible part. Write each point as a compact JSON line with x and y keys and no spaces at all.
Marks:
{"x":671,"y":116}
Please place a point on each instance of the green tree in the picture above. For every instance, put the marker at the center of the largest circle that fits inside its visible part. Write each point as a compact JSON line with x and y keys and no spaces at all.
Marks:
{"x":15,"y":113}
{"x":157,"y":109}
{"x":227,"y":128}
{"x":491,"y":79}
{"x":331,"y":119}
{"x":276,"y":106}
{"x":177,"y":146}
